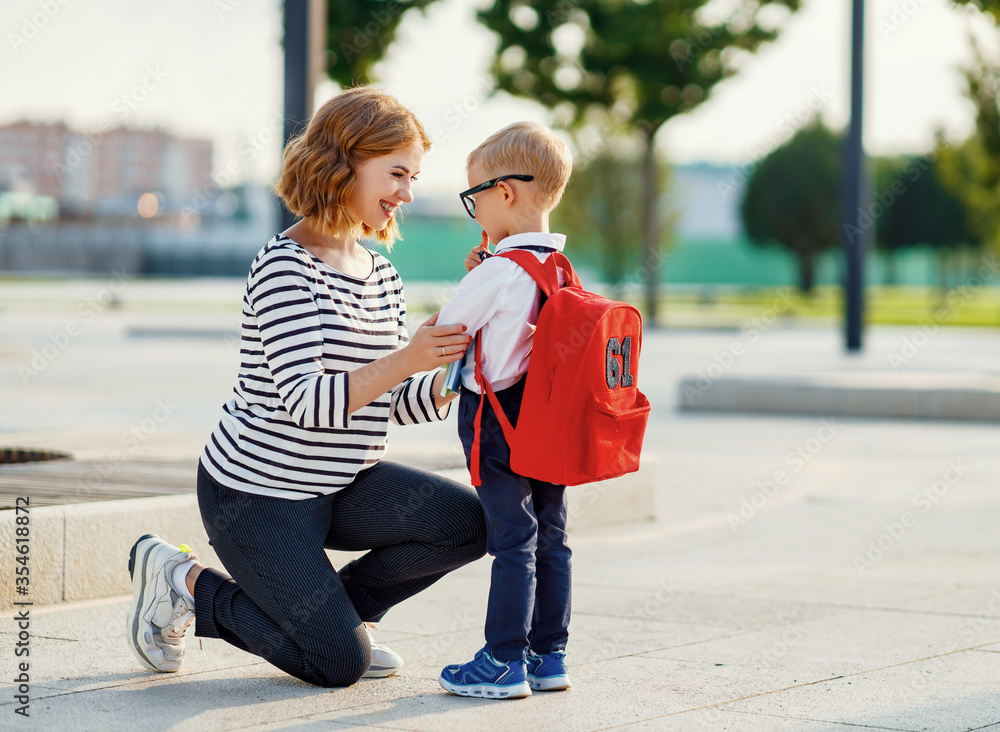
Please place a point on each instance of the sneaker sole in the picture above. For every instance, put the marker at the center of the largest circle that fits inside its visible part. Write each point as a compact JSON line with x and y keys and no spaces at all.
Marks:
{"x":549,"y":683}
{"x":380,"y":672}
{"x":488,"y":691}
{"x":139,"y":566}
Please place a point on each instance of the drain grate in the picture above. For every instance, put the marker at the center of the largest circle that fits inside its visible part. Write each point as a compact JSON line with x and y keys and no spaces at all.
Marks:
{"x":9,"y":455}
{"x":57,"y":482}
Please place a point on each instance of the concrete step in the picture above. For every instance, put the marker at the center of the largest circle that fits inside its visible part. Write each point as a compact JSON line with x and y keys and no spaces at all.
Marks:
{"x":927,"y":395}
{"x":79,"y":550}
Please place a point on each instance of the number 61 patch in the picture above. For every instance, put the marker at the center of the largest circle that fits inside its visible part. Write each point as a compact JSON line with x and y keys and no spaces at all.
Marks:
{"x":619,"y":373}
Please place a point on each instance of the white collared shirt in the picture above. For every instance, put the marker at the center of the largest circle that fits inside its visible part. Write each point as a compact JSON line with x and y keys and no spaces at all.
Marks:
{"x":502,"y":299}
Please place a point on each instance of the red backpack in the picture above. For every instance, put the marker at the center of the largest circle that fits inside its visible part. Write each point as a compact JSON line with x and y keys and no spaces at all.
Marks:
{"x":582,"y":415}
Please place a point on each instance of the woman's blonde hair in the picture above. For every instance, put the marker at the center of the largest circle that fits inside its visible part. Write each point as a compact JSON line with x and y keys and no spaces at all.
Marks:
{"x":318,"y":167}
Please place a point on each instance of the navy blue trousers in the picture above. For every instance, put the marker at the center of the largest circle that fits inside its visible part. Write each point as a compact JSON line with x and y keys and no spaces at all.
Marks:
{"x":282,"y":599}
{"x":530,"y":587}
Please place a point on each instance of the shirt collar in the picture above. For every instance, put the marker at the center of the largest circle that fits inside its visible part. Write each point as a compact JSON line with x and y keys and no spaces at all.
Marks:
{"x":533,"y":238}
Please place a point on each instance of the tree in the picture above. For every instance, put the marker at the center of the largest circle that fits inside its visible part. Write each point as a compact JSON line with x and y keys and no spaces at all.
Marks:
{"x":792,"y":198}
{"x":885,"y":170}
{"x":638,"y":64}
{"x":972,"y":170}
{"x":990,"y":7}
{"x":358,"y":35}
{"x":919,"y":210}
{"x":601,"y":212}
{"x":969,"y":172}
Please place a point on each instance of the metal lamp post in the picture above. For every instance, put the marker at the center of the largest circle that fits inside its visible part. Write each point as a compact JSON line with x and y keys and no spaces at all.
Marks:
{"x":855,"y":192}
{"x":305,"y":51}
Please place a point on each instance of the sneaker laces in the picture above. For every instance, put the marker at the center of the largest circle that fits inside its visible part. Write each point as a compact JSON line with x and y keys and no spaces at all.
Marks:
{"x":371,"y":629}
{"x":174,"y":632}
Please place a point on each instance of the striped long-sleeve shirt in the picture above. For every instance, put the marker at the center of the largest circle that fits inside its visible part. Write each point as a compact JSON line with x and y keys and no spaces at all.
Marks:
{"x":287,"y":432}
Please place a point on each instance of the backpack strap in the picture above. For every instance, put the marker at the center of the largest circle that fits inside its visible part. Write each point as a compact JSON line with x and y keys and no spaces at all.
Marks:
{"x":486,"y":392}
{"x":546,"y":276}
{"x":533,"y":248}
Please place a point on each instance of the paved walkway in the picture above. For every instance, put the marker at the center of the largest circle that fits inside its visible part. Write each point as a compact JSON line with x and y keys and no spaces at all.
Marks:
{"x":814,"y":605}
{"x":802,"y":574}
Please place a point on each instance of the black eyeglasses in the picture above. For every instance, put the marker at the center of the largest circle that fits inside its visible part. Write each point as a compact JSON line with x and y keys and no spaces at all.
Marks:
{"x":470,"y":203}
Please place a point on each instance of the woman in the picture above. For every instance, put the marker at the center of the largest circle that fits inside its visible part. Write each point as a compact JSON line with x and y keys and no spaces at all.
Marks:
{"x":295,"y":464}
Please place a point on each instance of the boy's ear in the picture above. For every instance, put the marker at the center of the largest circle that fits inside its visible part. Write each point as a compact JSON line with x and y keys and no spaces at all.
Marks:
{"x":508,"y":193}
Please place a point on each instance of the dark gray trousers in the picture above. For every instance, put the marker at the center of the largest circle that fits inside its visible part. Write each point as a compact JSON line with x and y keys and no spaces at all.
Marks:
{"x":286,"y":603}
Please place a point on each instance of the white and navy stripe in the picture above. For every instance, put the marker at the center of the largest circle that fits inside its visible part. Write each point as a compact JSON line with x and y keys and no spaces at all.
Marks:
{"x":287,"y":432}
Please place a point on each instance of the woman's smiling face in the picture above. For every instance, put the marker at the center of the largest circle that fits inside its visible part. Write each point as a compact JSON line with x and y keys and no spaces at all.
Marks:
{"x":383,"y":183}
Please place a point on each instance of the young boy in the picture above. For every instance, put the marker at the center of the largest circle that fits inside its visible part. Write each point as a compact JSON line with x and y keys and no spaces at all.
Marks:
{"x":517,"y":177}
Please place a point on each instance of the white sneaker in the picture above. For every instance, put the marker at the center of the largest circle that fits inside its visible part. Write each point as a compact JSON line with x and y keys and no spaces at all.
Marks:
{"x":385,"y":661}
{"x":159,"y":616}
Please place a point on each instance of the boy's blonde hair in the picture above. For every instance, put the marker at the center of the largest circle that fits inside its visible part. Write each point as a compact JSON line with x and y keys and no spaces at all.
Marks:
{"x":527,"y":148}
{"x":317,"y":173}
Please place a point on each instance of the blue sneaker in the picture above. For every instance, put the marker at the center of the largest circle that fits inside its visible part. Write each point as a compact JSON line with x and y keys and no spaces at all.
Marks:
{"x":547,"y":672}
{"x":487,"y":677}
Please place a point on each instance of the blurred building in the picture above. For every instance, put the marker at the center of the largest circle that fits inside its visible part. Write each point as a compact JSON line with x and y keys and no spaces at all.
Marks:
{"x":102,"y":173}
{"x":705,"y":199}
{"x":142,"y":201}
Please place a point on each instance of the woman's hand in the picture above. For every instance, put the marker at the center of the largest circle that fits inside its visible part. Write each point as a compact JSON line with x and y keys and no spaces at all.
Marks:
{"x":431,"y":346}
{"x":475,"y":259}
{"x":436,"y":345}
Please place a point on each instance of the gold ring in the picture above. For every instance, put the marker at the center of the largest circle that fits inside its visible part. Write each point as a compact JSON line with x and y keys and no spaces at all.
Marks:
{"x":443,"y":354}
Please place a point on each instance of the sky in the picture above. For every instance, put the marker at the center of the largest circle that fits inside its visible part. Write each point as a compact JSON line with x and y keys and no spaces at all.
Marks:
{"x":214,"y":69}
